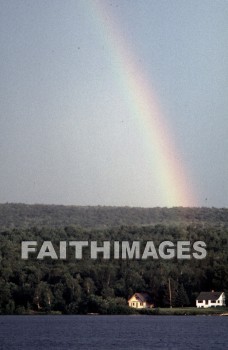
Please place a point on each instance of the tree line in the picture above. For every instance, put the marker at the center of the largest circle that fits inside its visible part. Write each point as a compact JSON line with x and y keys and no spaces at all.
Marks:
{"x":104,"y":286}
{"x":13,"y":215}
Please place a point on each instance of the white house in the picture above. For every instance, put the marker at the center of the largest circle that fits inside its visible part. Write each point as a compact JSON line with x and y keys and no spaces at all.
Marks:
{"x":141,"y":301}
{"x":210,"y":299}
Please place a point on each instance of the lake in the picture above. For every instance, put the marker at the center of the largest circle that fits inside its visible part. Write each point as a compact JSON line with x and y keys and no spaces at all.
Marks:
{"x":113,"y":332}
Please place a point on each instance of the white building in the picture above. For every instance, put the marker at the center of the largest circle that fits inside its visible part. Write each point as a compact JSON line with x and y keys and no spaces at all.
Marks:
{"x":210,"y":299}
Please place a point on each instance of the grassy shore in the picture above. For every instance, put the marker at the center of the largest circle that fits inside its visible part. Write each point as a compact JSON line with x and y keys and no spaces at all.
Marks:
{"x":180,"y":311}
{"x":185,"y":311}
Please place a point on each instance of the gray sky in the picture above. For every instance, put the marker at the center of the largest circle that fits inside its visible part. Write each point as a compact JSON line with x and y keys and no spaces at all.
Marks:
{"x":67,"y":134}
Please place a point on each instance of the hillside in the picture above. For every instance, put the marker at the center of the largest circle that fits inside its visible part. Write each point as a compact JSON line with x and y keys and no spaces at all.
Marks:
{"x":87,"y":285}
{"x":22,"y":215}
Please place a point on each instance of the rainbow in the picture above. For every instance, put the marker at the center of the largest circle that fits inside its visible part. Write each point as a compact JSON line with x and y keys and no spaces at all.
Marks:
{"x":171,"y":175}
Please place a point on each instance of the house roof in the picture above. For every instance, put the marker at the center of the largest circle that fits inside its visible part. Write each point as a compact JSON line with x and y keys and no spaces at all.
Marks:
{"x":143,"y":297}
{"x":213,"y":296}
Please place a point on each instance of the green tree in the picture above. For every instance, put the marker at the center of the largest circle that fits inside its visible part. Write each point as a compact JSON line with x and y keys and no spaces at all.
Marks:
{"x":181,"y":297}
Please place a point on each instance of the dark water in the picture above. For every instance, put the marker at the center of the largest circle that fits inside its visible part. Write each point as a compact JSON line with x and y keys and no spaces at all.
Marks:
{"x":113,"y":332}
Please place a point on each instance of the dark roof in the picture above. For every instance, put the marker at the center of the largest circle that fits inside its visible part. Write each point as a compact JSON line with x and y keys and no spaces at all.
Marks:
{"x":213,"y":296}
{"x":144,"y":297}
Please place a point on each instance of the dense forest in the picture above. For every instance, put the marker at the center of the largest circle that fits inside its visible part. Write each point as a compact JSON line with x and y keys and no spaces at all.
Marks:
{"x":103,"y":286}
{"x":22,"y":215}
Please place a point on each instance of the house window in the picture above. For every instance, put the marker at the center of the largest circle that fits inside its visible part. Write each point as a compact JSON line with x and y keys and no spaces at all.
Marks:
{"x":136,"y":304}
{"x":218,"y":301}
{"x":141,"y":304}
{"x":212,"y":301}
{"x":133,"y":304}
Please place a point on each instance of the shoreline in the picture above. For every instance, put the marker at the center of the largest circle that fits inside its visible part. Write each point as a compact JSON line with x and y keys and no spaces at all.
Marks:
{"x":185,"y":311}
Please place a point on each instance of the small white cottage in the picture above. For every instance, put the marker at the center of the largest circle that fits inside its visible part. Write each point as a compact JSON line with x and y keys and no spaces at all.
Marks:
{"x":210,"y":299}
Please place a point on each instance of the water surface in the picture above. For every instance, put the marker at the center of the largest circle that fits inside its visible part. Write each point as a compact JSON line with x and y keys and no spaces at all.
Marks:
{"x":113,"y":332}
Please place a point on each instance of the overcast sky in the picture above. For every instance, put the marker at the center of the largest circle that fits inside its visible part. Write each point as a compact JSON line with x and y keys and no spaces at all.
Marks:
{"x":67,"y":134}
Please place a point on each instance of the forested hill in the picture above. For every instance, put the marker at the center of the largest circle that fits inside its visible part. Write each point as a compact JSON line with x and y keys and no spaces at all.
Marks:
{"x":79,"y":286}
{"x":22,"y":215}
